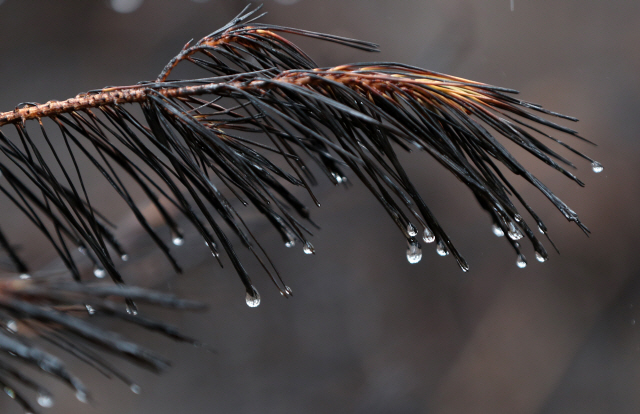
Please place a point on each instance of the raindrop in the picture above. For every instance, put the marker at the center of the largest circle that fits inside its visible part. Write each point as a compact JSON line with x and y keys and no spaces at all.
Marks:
{"x":45,"y":400}
{"x":10,"y":392}
{"x":540,"y":257}
{"x":124,"y":257}
{"x":540,"y":230}
{"x":513,"y":232}
{"x":517,"y":218}
{"x":90,"y":309}
{"x":412,"y":230}
{"x":497,"y":230}
{"x":414,"y":253}
{"x":339,"y":179}
{"x":25,"y":276}
{"x":177,"y":240}
{"x":135,"y":388}
{"x":291,"y":238}
{"x":131,"y":311}
{"x":81,"y":396}
{"x":12,"y":326}
{"x":82,"y":249}
{"x":596,"y":167}
{"x":441,"y":249}
{"x":252,"y":298}
{"x":308,"y":249}
{"x":99,"y":272}
{"x":521,"y":262}
{"x":464,"y":267}
{"x":126,"y":6}
{"x":428,"y":235}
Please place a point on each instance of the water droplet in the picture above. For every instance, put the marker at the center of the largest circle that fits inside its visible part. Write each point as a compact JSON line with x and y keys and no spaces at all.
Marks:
{"x":596,"y":167}
{"x":290,"y":243}
{"x":414,"y":253}
{"x":521,"y":262}
{"x":12,"y":326}
{"x":131,"y":310}
{"x":252,"y":298}
{"x":513,"y":232}
{"x":286,"y":292}
{"x":177,"y":240}
{"x":428,"y":235}
{"x":497,"y":230}
{"x":99,"y":272}
{"x":308,"y":249}
{"x":540,"y":257}
{"x":540,"y":230}
{"x":135,"y":388}
{"x":45,"y":400}
{"x":412,"y":231}
{"x":90,"y":309}
{"x":10,"y":392}
{"x":464,"y":267}
{"x":517,"y":218}
{"x":124,"y":257}
{"x":126,"y":6}
{"x":441,"y":249}
{"x":25,"y":276}
{"x":339,"y":179}
{"x":82,"y":249}
{"x":81,"y":396}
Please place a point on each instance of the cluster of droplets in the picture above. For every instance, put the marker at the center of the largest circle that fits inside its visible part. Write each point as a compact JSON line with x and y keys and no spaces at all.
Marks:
{"x":287,"y":292}
{"x":414,"y":252}
{"x":131,"y":310}
{"x":339,"y":178}
{"x":213,"y":247}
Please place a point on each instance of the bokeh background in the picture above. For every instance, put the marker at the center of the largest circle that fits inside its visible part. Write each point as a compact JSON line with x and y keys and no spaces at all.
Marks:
{"x":366,"y":331}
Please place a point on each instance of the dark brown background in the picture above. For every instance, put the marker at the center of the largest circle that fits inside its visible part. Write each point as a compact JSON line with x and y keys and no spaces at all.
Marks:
{"x":366,"y":331}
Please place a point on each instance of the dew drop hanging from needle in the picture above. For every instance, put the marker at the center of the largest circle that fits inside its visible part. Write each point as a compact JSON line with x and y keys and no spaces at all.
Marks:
{"x":252,"y":298}
{"x":414,"y":253}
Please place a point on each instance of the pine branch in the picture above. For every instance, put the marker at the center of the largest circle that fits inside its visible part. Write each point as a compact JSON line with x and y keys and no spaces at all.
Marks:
{"x":262,"y":121}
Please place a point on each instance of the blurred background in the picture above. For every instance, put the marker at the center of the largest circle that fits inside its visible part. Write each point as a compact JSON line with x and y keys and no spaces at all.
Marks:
{"x":366,"y":331}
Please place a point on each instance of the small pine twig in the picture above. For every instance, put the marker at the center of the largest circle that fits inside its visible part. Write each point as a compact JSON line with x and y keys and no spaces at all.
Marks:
{"x":251,"y":129}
